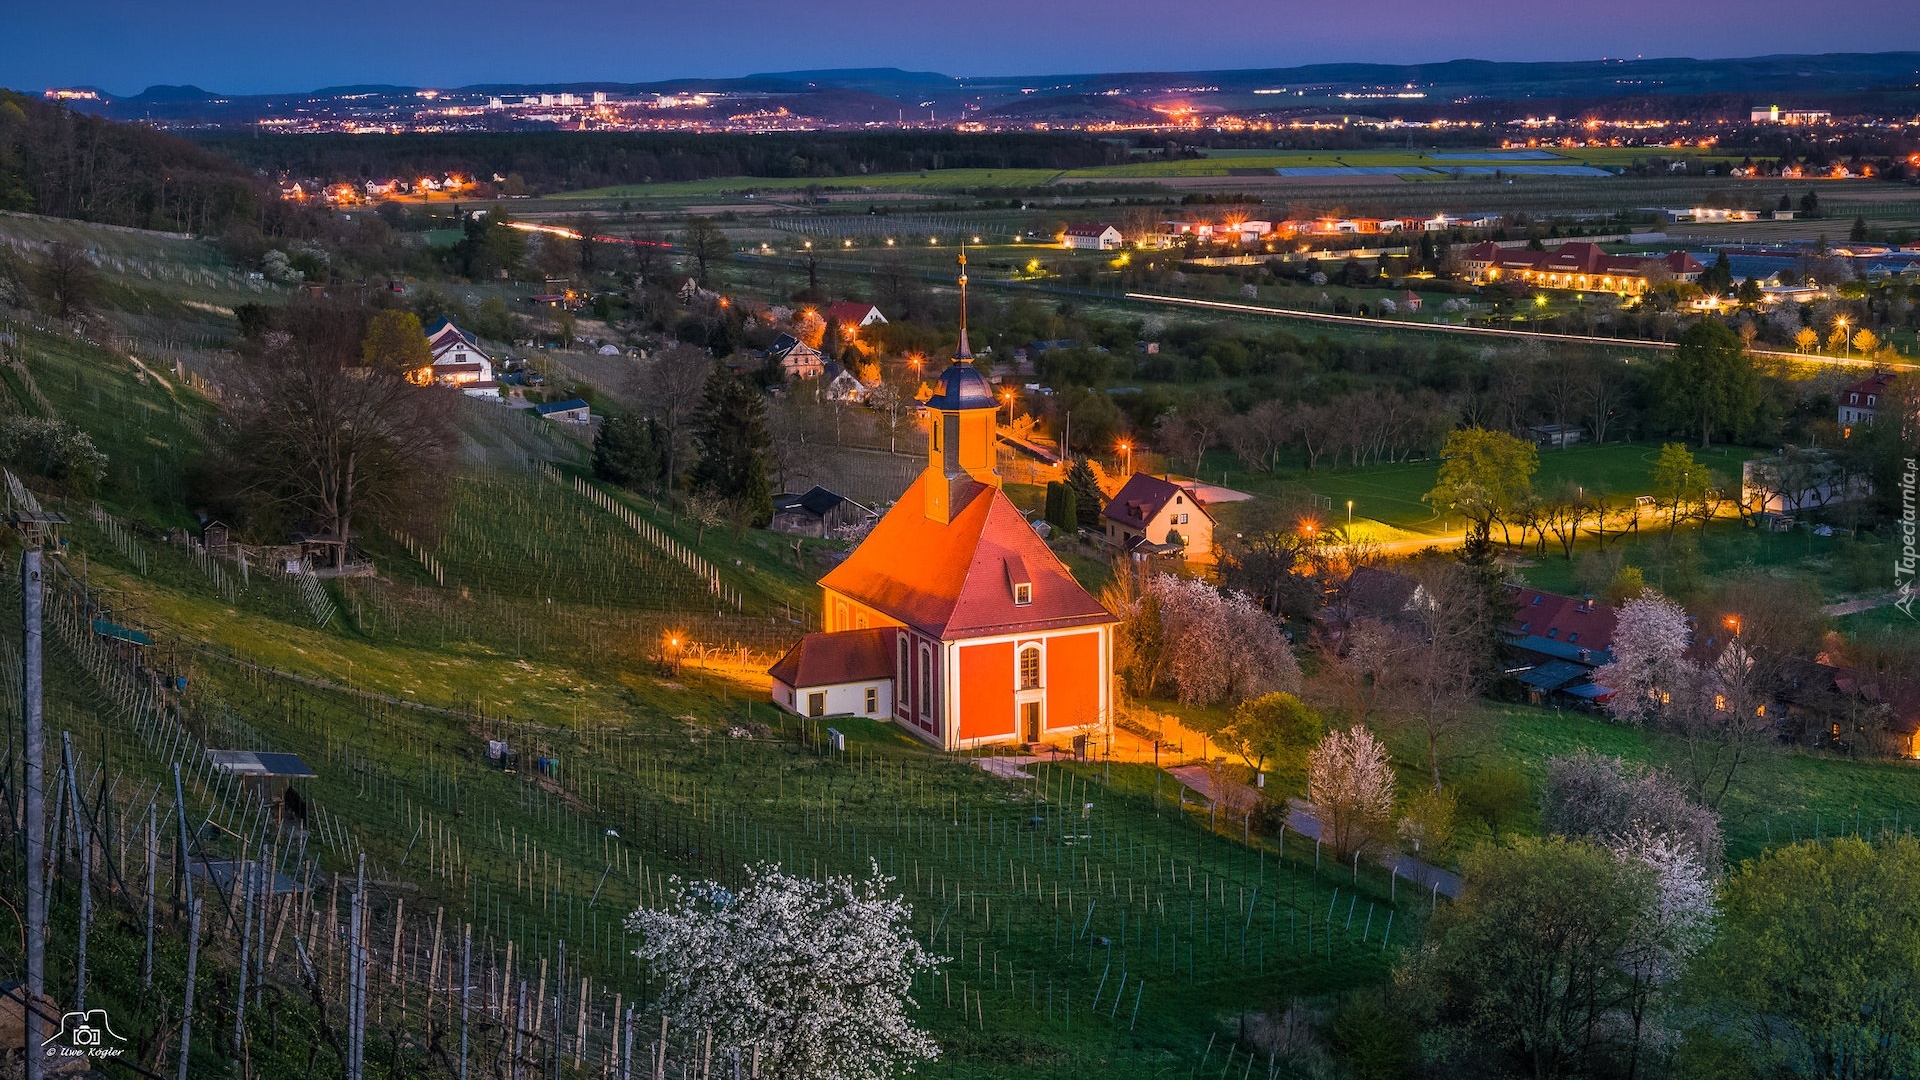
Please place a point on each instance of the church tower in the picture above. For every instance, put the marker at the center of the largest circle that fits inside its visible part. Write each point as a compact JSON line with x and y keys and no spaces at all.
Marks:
{"x":960,"y":450}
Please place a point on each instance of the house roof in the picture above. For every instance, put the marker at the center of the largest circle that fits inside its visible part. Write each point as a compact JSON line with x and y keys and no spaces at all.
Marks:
{"x":817,"y":501}
{"x":1096,"y":228}
{"x":1143,"y":496}
{"x":560,"y":406}
{"x":851,"y":311}
{"x":443,"y":329}
{"x":1552,"y":675}
{"x":1380,"y":594}
{"x":834,"y":658}
{"x":951,"y":580}
{"x":1561,"y":620}
{"x":1875,"y":383}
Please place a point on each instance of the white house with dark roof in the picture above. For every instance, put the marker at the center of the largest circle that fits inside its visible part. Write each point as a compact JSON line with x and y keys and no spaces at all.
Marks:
{"x":1095,"y":236}
{"x":459,"y":361}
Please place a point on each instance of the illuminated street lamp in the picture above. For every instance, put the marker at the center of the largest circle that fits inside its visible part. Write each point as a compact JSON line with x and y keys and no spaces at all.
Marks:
{"x":1846,"y":344}
{"x":1127,"y":449}
{"x":1349,"y":515}
{"x":1008,"y":397}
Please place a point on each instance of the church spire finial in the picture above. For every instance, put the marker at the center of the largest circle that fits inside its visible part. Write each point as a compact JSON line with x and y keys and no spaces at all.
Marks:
{"x":963,"y":353}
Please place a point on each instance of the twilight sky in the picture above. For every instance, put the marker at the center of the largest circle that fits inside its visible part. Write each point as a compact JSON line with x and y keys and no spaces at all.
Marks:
{"x":250,"y":46}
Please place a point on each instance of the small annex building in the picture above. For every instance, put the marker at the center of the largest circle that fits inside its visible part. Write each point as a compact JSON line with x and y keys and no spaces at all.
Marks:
{"x":985,"y":635}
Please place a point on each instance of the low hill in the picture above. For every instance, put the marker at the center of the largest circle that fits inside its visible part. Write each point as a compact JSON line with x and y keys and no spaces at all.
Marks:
{"x":63,"y":163}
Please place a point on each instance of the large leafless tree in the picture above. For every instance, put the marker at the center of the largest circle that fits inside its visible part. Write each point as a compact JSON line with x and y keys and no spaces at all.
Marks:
{"x":325,"y":439}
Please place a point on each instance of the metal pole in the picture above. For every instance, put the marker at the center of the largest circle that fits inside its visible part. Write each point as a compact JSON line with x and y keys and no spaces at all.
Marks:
{"x":84,"y":839}
{"x":466,"y":972}
{"x":36,"y":812}
{"x":193,"y":970}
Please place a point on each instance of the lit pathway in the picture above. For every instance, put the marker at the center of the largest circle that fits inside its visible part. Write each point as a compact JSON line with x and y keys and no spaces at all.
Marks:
{"x":1301,"y":820}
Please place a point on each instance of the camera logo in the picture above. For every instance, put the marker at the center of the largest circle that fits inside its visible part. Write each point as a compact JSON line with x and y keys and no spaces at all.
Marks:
{"x":85,"y":1034}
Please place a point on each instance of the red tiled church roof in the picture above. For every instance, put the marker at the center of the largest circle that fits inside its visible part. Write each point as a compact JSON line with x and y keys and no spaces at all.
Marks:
{"x":953,"y":580}
{"x":1581,"y":258}
{"x":831,"y":659}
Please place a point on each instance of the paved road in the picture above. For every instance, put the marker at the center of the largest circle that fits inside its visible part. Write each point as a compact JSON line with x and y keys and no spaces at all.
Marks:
{"x":1301,"y":820}
{"x":1484,"y":331}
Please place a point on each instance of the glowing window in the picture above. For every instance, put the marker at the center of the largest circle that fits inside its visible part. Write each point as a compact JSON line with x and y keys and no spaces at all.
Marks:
{"x":1030,"y":668}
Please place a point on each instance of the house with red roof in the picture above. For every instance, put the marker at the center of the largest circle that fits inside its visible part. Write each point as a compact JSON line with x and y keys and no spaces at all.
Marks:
{"x":1859,"y":402}
{"x":1153,"y":516}
{"x":853,"y":313}
{"x":1093,"y":236}
{"x":1583,"y":266}
{"x":953,"y":612}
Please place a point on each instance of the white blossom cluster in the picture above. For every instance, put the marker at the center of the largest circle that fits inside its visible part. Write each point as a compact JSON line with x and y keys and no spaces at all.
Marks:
{"x":814,"y":976}
{"x":1650,"y":671}
{"x":1350,"y":783}
{"x":1220,"y":646}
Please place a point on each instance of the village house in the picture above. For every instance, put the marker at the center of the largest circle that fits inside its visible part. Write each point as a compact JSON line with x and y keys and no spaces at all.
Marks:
{"x":953,"y":617}
{"x":796,"y":359}
{"x":853,"y":313}
{"x":1580,"y":266}
{"x":458,"y":360}
{"x":1859,"y":402}
{"x":1559,"y":641}
{"x":1097,"y":236}
{"x":843,"y":385}
{"x":1153,"y":516}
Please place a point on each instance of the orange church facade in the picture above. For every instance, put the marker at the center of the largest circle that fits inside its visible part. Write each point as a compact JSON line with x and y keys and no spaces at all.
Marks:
{"x":953,"y":617}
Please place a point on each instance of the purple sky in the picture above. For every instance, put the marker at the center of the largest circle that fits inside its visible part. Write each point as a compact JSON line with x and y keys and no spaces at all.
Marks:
{"x":246,"y":46}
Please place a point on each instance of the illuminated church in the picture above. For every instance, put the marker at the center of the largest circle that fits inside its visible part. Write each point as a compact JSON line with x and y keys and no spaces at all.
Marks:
{"x":953,"y":617}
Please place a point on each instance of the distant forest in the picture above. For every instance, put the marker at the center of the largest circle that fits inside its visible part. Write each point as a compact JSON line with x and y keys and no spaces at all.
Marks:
{"x":554,"y":161}
{"x":63,"y":163}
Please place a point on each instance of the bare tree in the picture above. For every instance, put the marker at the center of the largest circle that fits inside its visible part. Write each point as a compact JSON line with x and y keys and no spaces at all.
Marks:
{"x":670,"y":387}
{"x":330,"y":440}
{"x":67,"y":281}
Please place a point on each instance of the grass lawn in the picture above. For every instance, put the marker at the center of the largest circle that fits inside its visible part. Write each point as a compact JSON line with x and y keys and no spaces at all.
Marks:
{"x":926,"y":180}
{"x":1780,"y":796}
{"x":1391,"y":494}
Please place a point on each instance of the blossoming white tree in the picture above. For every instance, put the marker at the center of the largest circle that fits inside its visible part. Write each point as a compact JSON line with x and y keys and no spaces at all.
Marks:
{"x":1650,"y":671}
{"x":814,"y":976}
{"x":1220,"y":646}
{"x":1678,"y":920}
{"x":1350,"y":783}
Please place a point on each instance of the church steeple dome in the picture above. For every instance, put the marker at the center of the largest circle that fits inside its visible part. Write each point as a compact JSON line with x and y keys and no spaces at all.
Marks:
{"x":960,"y":450}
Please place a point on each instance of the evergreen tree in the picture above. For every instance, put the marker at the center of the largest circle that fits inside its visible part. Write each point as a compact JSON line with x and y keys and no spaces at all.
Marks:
{"x":733,"y":438}
{"x":626,"y":451}
{"x":1062,"y":506}
{"x":1087,"y":500}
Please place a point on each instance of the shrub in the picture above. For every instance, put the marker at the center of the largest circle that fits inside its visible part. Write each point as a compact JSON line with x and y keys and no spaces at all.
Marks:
{"x":1496,"y":796}
{"x":54,"y":449}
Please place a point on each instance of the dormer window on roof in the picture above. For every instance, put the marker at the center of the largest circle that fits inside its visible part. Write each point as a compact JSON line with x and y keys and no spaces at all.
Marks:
{"x":1020,"y":580}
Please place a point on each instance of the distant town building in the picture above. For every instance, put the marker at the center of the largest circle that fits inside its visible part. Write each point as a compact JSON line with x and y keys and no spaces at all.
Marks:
{"x":1774,"y":114}
{"x":1097,"y":236}
{"x":1579,"y":265}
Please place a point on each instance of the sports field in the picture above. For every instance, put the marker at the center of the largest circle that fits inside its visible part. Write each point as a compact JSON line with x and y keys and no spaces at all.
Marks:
{"x":1390,"y":495}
